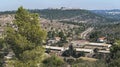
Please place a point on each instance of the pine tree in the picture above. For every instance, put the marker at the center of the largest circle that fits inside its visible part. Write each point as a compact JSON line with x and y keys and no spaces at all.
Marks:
{"x":25,"y":38}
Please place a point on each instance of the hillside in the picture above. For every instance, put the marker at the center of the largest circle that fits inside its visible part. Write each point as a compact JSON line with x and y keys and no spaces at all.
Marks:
{"x":77,"y":17}
{"x":64,"y":19}
{"x":74,"y":15}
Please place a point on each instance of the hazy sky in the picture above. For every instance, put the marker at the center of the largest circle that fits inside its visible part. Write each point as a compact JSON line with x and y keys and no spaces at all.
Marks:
{"x":40,"y":4}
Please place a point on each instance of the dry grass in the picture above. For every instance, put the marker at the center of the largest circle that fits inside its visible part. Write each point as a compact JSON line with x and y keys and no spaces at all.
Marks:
{"x":88,"y":59}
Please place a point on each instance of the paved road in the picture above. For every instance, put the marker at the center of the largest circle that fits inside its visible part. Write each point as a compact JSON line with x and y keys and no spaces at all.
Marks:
{"x":85,"y":33}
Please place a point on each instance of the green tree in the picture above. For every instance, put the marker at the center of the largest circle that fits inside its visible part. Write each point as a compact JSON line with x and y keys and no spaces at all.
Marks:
{"x":62,"y":36}
{"x":25,"y":38}
{"x":54,"y":61}
{"x":70,"y":52}
{"x":3,"y":51}
{"x":115,"y":55}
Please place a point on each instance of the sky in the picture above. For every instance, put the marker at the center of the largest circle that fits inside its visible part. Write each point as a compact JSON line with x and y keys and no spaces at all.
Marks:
{"x":6,"y":5}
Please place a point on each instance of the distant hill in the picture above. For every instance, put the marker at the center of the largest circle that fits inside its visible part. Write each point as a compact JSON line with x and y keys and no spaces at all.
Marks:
{"x":72,"y":15}
{"x":110,"y":14}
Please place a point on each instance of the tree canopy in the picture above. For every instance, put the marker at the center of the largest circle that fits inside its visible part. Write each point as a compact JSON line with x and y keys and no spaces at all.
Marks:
{"x":25,"y":38}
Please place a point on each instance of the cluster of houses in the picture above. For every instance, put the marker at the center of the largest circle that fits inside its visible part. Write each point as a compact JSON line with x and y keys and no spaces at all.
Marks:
{"x":83,"y":44}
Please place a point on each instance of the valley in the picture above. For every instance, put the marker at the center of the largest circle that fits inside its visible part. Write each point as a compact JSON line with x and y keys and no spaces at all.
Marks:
{"x":70,"y":34}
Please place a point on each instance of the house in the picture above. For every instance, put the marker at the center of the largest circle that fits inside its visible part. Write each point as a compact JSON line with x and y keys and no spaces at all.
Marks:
{"x":102,"y":39}
{"x":10,"y":55}
{"x":90,"y":45}
{"x":51,"y":41}
{"x":100,"y":46}
{"x":57,"y":38}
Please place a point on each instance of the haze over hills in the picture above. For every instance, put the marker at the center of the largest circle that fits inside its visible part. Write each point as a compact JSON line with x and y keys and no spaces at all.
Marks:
{"x":111,"y":14}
